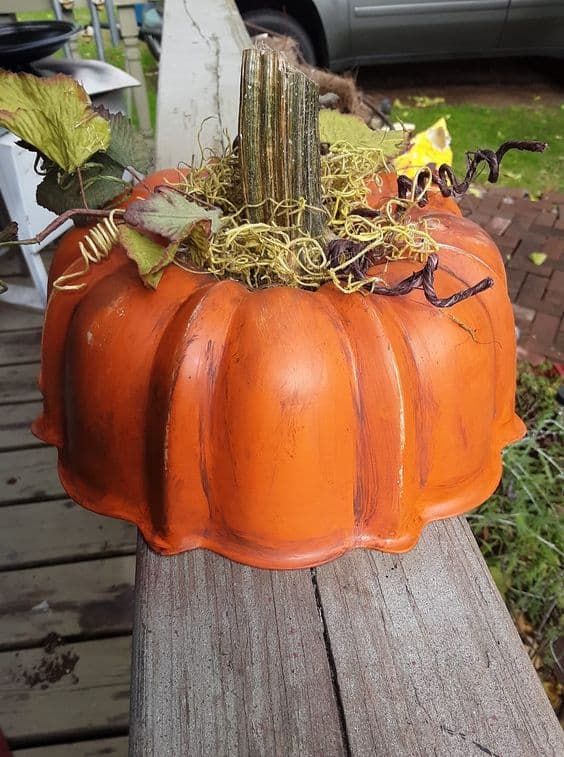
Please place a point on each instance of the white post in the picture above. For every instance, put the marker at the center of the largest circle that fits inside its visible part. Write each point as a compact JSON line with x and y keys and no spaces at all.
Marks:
{"x":198,"y":78}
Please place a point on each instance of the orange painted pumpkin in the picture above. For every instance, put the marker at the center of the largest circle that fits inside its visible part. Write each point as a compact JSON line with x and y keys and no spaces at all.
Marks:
{"x":281,"y":427}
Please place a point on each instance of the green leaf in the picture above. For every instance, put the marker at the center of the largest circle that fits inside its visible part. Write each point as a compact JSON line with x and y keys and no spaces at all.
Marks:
{"x":151,"y":257}
{"x":127,"y":146}
{"x":170,"y":214}
{"x":336,"y":127}
{"x":538,"y":258}
{"x":54,"y":115}
{"x":101,"y":178}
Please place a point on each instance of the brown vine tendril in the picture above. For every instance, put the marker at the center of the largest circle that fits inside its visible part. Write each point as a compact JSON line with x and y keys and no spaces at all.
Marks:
{"x":339,"y":251}
{"x":445,"y":178}
{"x":424,"y":280}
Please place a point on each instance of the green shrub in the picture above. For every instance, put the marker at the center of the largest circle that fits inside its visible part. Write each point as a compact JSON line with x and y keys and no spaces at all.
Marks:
{"x":520,"y":529}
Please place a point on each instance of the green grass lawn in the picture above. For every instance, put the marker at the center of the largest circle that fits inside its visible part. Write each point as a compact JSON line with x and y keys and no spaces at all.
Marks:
{"x":520,"y":529}
{"x":477,"y":126}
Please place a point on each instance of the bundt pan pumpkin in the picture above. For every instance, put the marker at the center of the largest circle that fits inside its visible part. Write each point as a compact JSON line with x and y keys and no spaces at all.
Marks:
{"x":281,"y":426}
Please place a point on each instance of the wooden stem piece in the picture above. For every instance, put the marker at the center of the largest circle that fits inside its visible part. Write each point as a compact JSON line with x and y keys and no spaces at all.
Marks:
{"x":279,"y":141}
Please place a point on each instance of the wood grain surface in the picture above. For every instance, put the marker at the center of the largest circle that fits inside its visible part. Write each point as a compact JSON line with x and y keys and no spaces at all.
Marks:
{"x":229,"y":660}
{"x":372,"y":654}
{"x":59,"y":531}
{"x":77,"y":690}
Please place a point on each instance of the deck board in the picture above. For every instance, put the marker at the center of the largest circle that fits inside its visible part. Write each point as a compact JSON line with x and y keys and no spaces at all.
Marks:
{"x":59,"y":531}
{"x":427,"y":639}
{"x":15,"y":422}
{"x":14,"y":318}
{"x":75,"y":568}
{"x":20,"y":346}
{"x":229,"y":660}
{"x":96,"y":748}
{"x":28,"y":475}
{"x":18,"y":383}
{"x":424,"y":657}
{"x":39,"y":700}
{"x":88,"y":599}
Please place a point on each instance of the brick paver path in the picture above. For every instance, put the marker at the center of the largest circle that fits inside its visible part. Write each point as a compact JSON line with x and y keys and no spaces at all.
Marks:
{"x":520,"y":227}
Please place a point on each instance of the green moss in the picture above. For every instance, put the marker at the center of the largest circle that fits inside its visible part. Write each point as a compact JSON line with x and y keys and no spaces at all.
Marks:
{"x":342,"y":127}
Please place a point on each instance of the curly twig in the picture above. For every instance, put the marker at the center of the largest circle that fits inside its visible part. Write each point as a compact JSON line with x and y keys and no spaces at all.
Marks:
{"x":445,"y":178}
{"x":59,"y":221}
{"x":424,"y":279}
{"x":339,"y":250}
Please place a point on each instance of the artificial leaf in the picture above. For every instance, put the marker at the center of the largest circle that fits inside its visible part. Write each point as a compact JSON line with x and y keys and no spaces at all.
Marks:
{"x":337,"y":127}
{"x":151,"y":257}
{"x":538,"y":258}
{"x":54,"y":115}
{"x":101,"y":178}
{"x":127,"y":146}
{"x":170,"y":214}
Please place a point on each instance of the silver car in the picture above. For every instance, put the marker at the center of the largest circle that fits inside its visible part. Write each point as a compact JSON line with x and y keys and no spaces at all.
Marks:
{"x":339,"y":34}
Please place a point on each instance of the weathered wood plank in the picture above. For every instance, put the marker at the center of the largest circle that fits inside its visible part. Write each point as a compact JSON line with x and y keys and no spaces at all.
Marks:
{"x":18,"y":383}
{"x":90,"y":598}
{"x":28,"y":475}
{"x":97,"y":748}
{"x":15,"y":425}
{"x":76,"y":690}
{"x":228,"y":660}
{"x":14,"y":318}
{"x":59,"y":531}
{"x":20,"y":346}
{"x":428,"y":660}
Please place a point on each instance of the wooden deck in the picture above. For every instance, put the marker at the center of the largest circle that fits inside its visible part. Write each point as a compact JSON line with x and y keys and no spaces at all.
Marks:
{"x":66,"y":584}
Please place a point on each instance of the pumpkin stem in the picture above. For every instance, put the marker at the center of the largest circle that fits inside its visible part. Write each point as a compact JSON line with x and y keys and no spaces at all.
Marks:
{"x":279,"y":143}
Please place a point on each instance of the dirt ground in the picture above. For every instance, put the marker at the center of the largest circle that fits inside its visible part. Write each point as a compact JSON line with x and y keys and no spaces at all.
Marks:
{"x":483,"y":82}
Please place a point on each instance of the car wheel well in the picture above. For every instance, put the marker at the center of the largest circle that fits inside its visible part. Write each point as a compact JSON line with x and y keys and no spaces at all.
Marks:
{"x":303,"y":11}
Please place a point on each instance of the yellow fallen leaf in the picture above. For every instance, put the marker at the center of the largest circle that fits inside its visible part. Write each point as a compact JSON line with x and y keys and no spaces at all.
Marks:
{"x":429,"y":146}
{"x":538,"y":258}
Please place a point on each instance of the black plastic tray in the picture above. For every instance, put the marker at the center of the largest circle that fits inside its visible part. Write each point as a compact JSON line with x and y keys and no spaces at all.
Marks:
{"x":27,"y":41}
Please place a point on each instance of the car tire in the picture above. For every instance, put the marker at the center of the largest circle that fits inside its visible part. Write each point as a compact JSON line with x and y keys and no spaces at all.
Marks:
{"x":280,"y":23}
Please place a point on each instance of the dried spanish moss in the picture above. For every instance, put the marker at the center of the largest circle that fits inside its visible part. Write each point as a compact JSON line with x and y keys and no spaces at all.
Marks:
{"x":345,"y":171}
{"x":445,"y":178}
